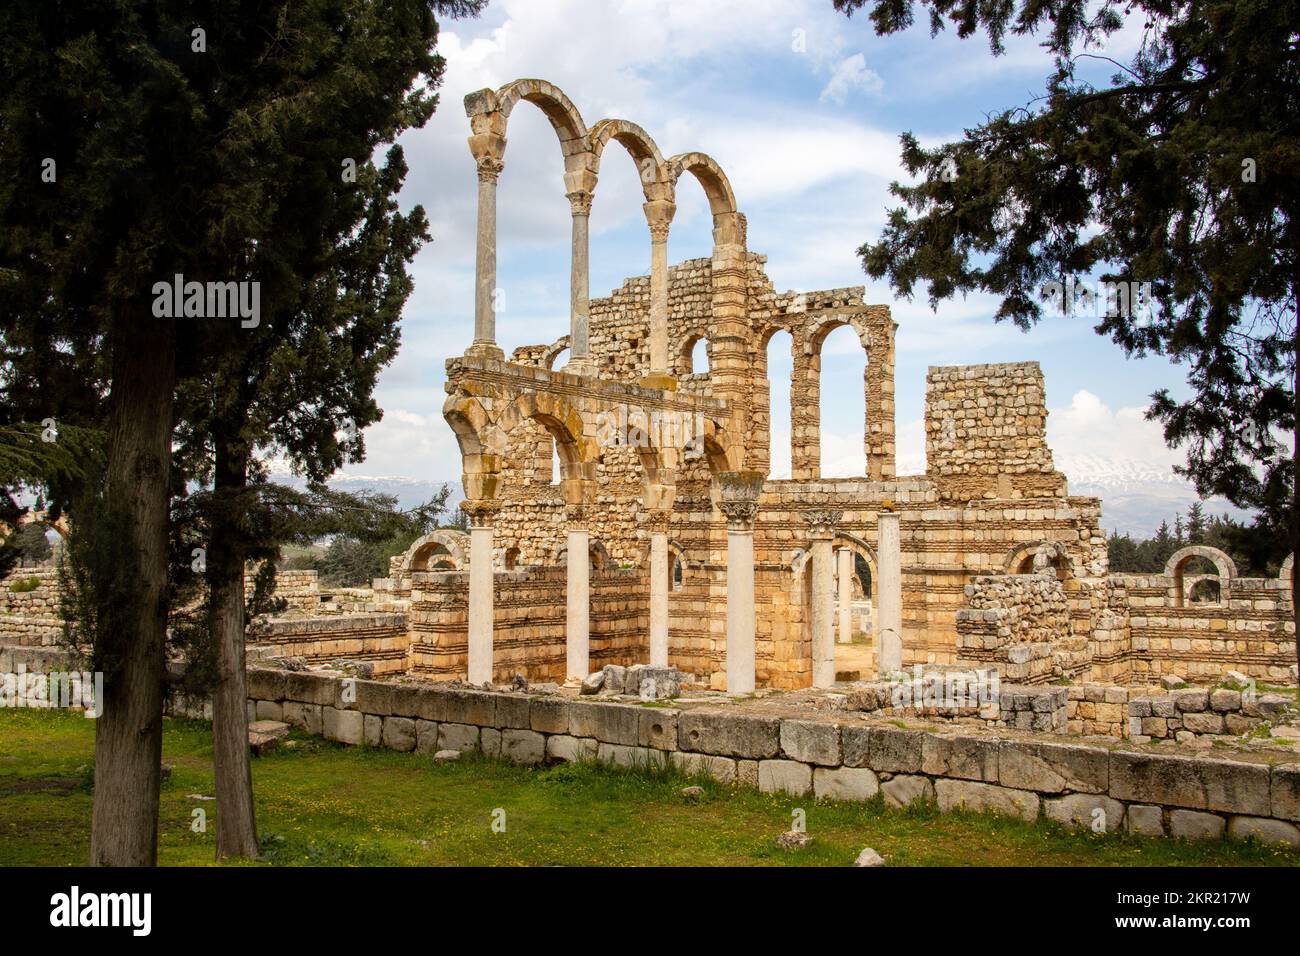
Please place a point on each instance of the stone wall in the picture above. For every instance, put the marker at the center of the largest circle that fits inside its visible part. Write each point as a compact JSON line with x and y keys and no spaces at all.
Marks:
{"x":529,"y":634}
{"x":1147,"y":793}
{"x":379,"y":639}
{"x":1198,"y":715}
{"x":31,"y":617}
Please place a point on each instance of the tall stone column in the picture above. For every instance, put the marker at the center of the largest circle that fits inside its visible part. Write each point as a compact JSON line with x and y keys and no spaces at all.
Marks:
{"x":481,"y":515}
{"x":659,"y":589}
{"x":487,"y":148}
{"x":889,"y":592}
{"x":739,"y":491}
{"x":659,"y":216}
{"x":580,"y":187}
{"x":845,"y":575}
{"x":577,"y":616}
{"x":821,"y":533}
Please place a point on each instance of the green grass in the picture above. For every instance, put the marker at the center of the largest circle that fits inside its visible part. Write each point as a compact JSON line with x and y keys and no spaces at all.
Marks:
{"x":323,"y":804}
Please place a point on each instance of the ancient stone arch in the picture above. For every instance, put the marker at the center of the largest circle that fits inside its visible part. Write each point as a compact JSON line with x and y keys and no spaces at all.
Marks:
{"x":1174,"y":568}
{"x":1032,"y":557}
{"x":656,"y":181}
{"x":443,"y":549}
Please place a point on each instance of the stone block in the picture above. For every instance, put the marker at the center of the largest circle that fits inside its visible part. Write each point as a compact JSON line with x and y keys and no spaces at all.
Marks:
{"x":844,"y":783}
{"x":1194,"y":825}
{"x":426,"y":737}
{"x":964,"y":758}
{"x":892,"y":750}
{"x":658,"y":728}
{"x":609,"y":723}
{"x":304,"y":716}
{"x":1092,"y":811}
{"x":721,"y":769}
{"x":489,"y":741}
{"x":1053,"y":768}
{"x":904,"y":789}
{"x":784,"y":776}
{"x":270,"y":710}
{"x":1143,"y":819}
{"x":399,"y":733}
{"x":523,"y":746}
{"x":980,"y":797}
{"x":405,"y":700}
{"x":374,"y":730}
{"x":809,"y":741}
{"x":620,"y":755}
{"x":1192,"y":701}
{"x":457,"y":737}
{"x":747,"y":773}
{"x":729,"y":734}
{"x":1196,"y":783}
{"x":567,"y":749}
{"x":1286,"y":791}
{"x":264,"y":683}
{"x":1224,"y":700}
{"x":1204,"y":723}
{"x":1267,"y":831}
{"x":307,"y":687}
{"x":345,"y":726}
{"x":512,"y":712}
{"x":549,"y":715}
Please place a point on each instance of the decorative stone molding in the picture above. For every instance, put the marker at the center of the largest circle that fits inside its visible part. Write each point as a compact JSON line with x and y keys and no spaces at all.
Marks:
{"x":822,"y":522}
{"x":739,"y":491}
{"x":481,"y":513}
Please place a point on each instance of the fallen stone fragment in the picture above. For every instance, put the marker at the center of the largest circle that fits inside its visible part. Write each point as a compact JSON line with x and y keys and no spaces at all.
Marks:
{"x":793,"y":840}
{"x":869,"y":857}
{"x":445,"y":755}
{"x":693,"y":793}
{"x":593,"y":683}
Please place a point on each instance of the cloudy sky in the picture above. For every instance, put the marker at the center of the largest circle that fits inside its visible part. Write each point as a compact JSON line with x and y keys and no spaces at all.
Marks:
{"x":803,"y":109}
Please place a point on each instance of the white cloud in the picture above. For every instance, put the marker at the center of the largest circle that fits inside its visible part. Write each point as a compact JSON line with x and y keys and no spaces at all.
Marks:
{"x":851,"y":74}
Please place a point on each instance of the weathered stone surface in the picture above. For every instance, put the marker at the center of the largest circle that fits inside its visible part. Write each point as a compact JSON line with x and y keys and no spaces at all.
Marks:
{"x":1194,"y":825}
{"x":869,"y":857}
{"x":747,"y":773}
{"x":562,"y":747}
{"x":489,"y":741}
{"x":956,"y":794}
{"x":1270,"y":832}
{"x":264,"y":683}
{"x":1286,"y":791}
{"x":270,"y":710}
{"x":794,"y":840}
{"x":374,"y":730}
{"x":1192,"y":782}
{"x":457,"y":737}
{"x":1225,"y":699}
{"x":729,"y":734}
{"x":512,"y":712}
{"x":406,"y":700}
{"x":658,"y":728}
{"x":592,"y":684}
{"x":426,"y":737}
{"x":1145,"y":820}
{"x":811,"y":742}
{"x":624,"y":756}
{"x":309,"y":688}
{"x":549,"y":715}
{"x":904,"y":789}
{"x":845,"y":783}
{"x":721,"y":769}
{"x":855,"y":745}
{"x":1203,"y":723}
{"x":892,"y":750}
{"x":446,"y":756}
{"x":345,"y":726}
{"x":1192,"y":700}
{"x":1092,"y":811}
{"x":784,"y":776}
{"x":607,"y":722}
{"x":304,"y":716}
{"x":523,"y":746}
{"x":399,"y":733}
{"x":965,"y":758}
{"x":1053,"y":768}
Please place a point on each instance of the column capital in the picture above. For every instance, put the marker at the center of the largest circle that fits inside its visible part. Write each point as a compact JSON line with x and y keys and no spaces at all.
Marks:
{"x":489,"y":169}
{"x":822,"y":522}
{"x":481,"y":512}
{"x":738,"y":494}
{"x":657,"y":522}
{"x":580,"y":202}
{"x":659,"y":217}
{"x":575,"y":516}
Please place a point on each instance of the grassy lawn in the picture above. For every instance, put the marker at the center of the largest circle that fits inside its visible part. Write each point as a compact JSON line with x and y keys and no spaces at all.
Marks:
{"x":321,"y":803}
